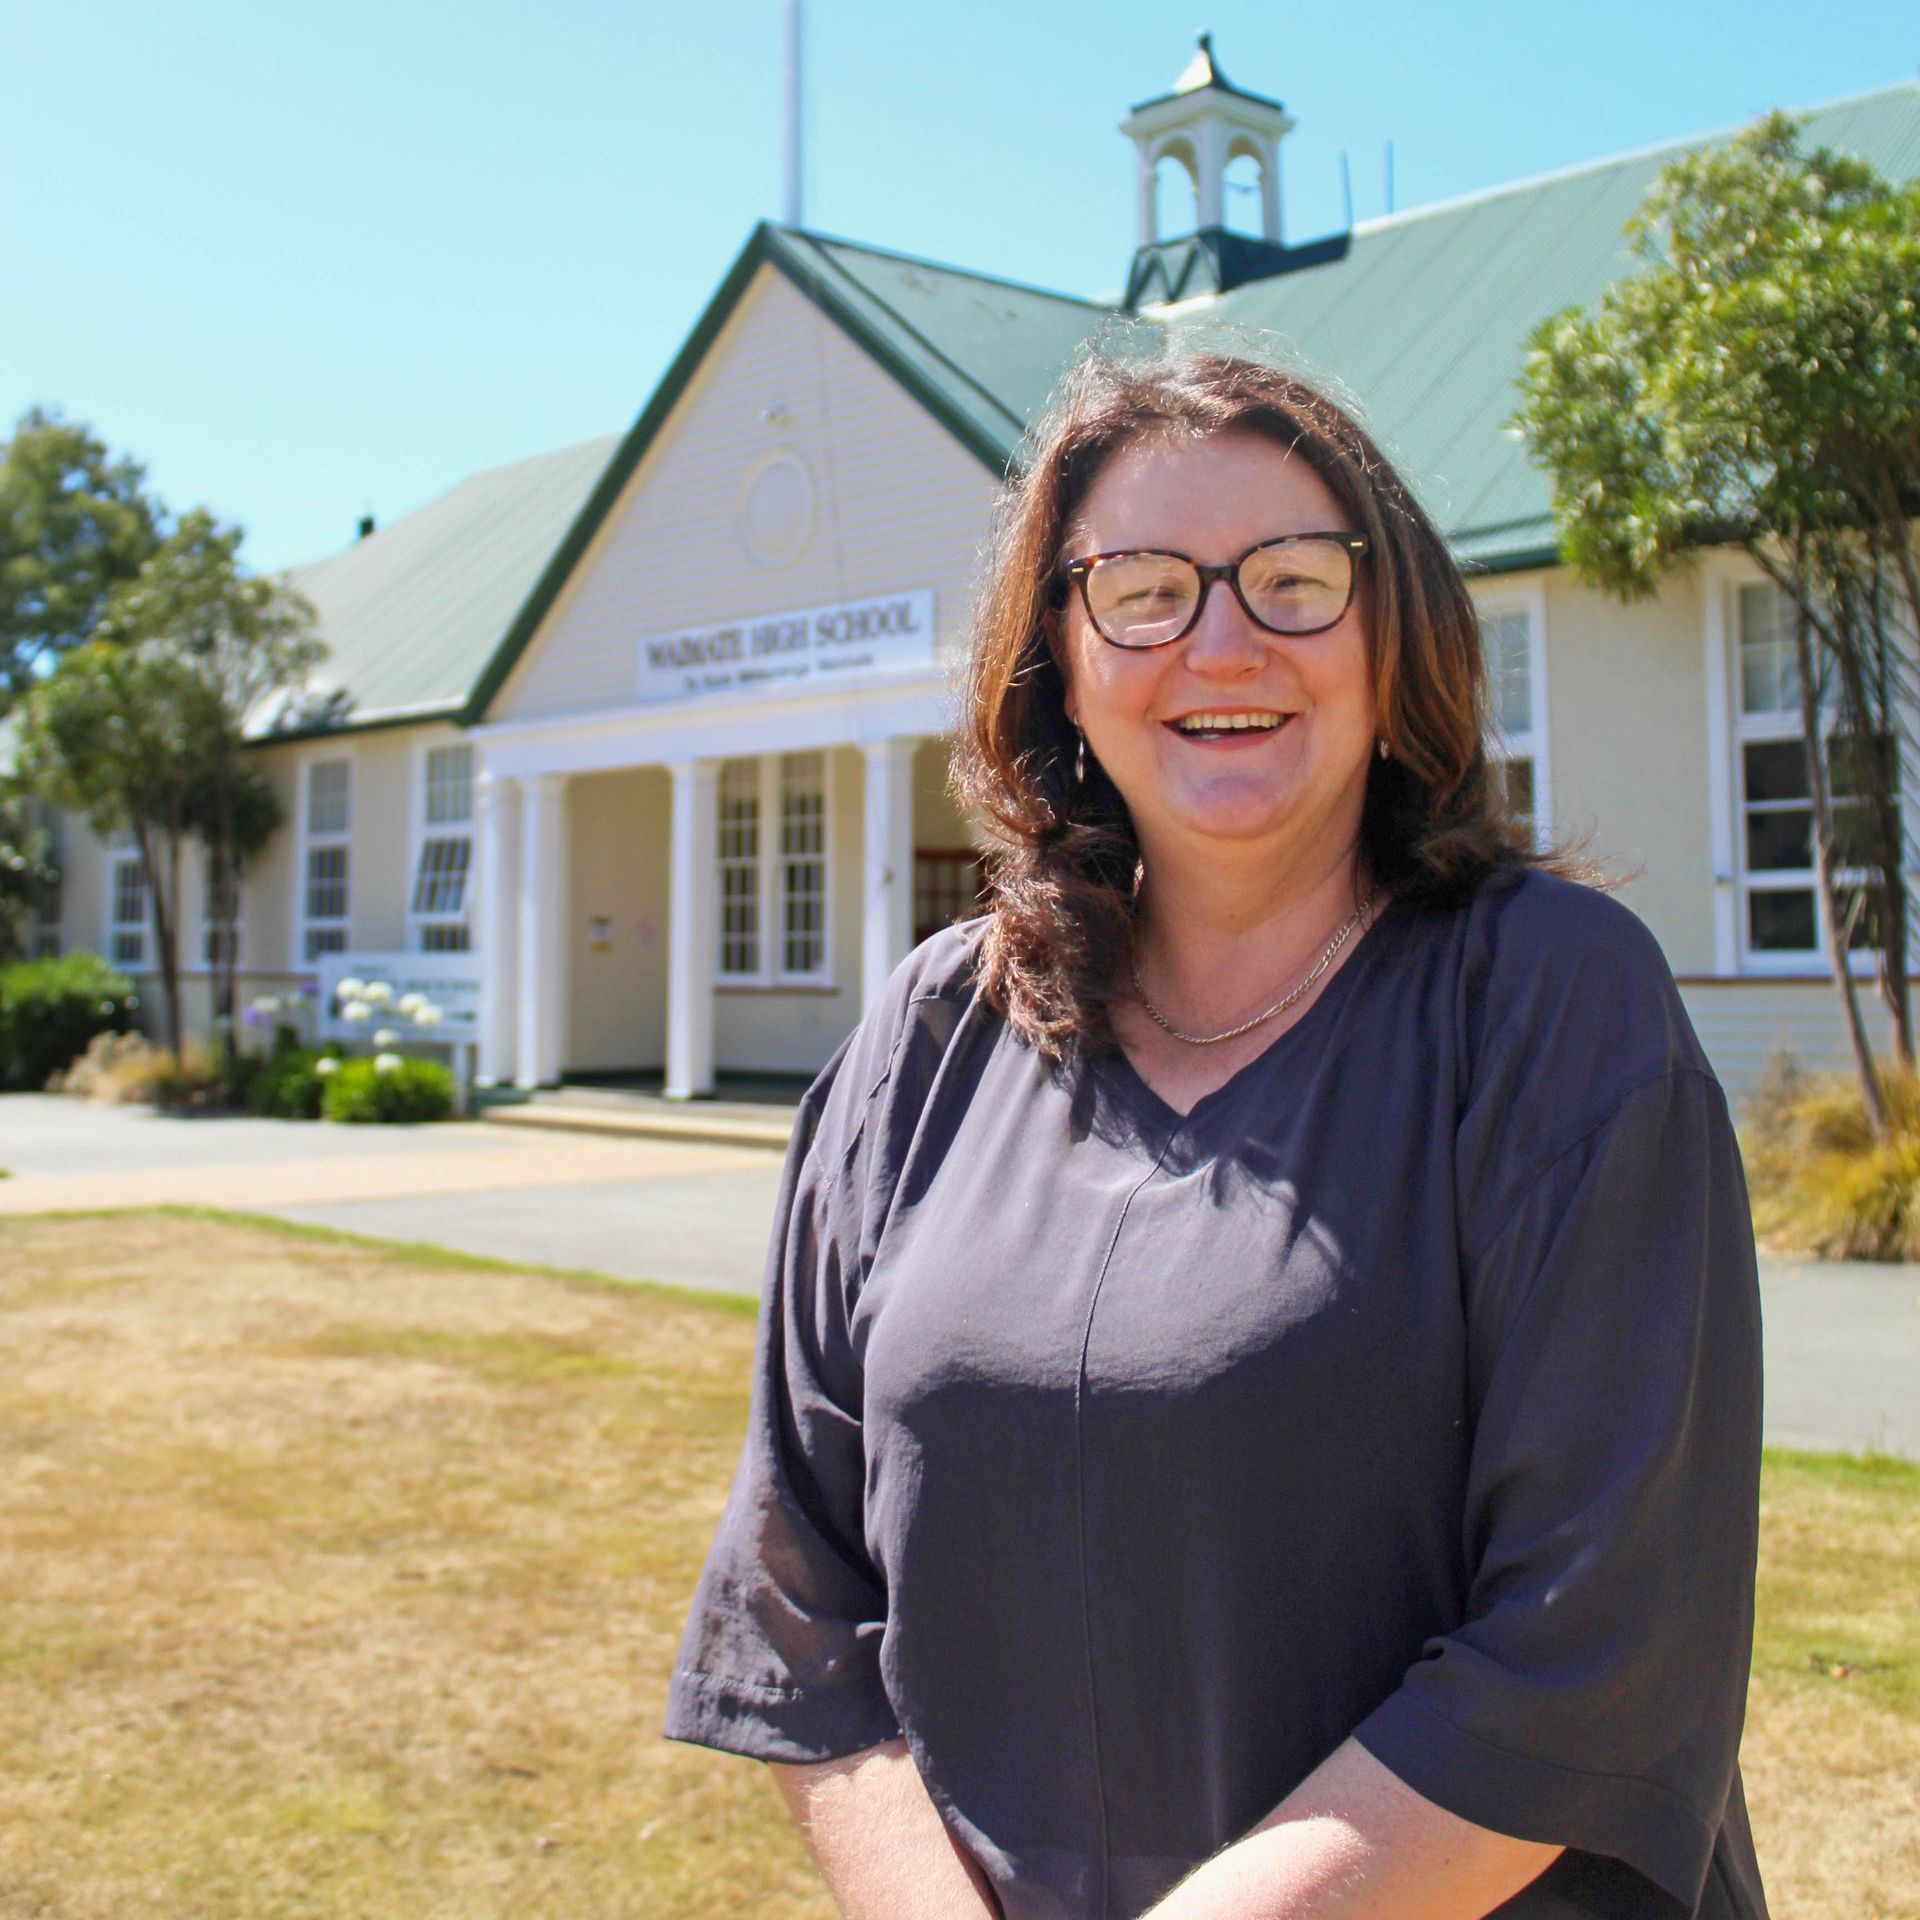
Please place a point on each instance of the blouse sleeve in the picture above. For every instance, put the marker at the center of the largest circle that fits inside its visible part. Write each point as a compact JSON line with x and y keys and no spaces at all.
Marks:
{"x":1592,"y":1695}
{"x":781,"y":1655}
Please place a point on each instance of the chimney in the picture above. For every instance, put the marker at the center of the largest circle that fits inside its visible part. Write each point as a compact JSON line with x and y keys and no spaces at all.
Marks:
{"x":366,"y":526}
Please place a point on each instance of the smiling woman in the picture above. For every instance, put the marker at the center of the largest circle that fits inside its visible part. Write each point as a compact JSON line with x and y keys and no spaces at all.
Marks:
{"x":1255,"y":1320}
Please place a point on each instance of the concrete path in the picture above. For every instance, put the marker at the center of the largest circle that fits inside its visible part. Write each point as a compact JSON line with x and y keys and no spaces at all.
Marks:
{"x":1842,"y":1338}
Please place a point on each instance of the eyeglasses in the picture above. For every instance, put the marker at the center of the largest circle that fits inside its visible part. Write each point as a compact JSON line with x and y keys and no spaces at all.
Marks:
{"x":1144,"y":597}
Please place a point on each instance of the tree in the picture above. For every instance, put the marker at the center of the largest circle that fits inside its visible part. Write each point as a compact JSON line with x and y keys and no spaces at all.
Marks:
{"x":116,"y":733}
{"x":249,"y":643}
{"x":29,"y":870}
{"x":1756,"y":382}
{"x":75,"y":523}
{"x":144,"y":727}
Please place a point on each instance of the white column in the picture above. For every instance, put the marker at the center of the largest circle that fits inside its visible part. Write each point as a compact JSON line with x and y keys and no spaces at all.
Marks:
{"x":887,"y":873}
{"x":1270,"y":189}
{"x":1210,"y":142}
{"x":497,"y":824}
{"x":543,"y":916}
{"x":692,"y":928}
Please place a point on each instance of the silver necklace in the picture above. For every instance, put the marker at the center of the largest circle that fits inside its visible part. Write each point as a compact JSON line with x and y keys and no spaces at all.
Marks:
{"x":1334,"y":945}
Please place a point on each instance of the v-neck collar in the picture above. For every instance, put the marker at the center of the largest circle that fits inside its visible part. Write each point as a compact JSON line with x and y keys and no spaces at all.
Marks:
{"x":1127,"y":1082}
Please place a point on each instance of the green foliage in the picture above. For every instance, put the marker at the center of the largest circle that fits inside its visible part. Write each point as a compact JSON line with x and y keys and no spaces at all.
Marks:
{"x":75,"y":523}
{"x":409,"y":1090}
{"x":51,"y":1009}
{"x":283,"y":1084}
{"x":1757,"y":376}
{"x":29,"y":870}
{"x":1823,"y":1180}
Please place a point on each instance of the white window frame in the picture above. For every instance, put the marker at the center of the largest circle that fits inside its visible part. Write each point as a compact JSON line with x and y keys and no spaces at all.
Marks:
{"x":1528,"y":599}
{"x":769,"y":862}
{"x":422,"y":923}
{"x":1741,"y":730}
{"x":207,"y":922}
{"x":45,"y":933}
{"x":123,"y":850}
{"x":308,"y":842}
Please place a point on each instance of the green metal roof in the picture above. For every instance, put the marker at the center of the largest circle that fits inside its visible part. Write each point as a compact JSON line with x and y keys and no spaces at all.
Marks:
{"x":1421,"y":317}
{"x":412,"y":612}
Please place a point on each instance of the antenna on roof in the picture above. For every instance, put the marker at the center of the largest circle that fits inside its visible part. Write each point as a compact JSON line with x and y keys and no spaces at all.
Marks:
{"x":793,"y":113}
{"x":1389,"y":176}
{"x":1346,"y":187}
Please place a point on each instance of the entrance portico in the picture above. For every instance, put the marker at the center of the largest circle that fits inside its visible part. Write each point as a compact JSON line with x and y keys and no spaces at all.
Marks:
{"x":538,"y":775}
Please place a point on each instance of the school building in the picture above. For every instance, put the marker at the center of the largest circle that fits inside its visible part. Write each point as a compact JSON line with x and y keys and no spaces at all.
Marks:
{"x":657,"y":726}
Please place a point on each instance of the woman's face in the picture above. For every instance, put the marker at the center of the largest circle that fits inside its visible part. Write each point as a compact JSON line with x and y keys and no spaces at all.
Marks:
{"x":1292,"y":792}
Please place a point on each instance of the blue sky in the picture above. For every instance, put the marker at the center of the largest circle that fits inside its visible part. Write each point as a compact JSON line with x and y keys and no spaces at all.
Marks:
{"x":311,"y":262}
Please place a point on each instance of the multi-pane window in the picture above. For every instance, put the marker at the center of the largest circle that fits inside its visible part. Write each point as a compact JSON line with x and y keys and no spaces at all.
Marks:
{"x":438,"y":906}
{"x":948,"y":885}
{"x":1781,"y":921}
{"x":803,"y":863}
{"x":784,"y":863}
{"x":127,"y":876}
{"x":221,"y":921}
{"x":739,"y":814}
{"x":327,"y":895}
{"x":1507,"y":640}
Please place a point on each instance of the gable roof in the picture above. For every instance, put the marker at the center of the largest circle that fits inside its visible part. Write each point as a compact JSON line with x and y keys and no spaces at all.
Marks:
{"x":411,"y":611}
{"x":1420,"y":317}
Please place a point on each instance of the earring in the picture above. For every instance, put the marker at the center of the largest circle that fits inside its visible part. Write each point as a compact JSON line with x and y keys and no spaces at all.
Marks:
{"x":1080,"y":760}
{"x":1381,"y":743}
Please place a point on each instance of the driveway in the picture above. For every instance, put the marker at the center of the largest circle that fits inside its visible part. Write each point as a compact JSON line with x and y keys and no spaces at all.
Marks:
{"x":1842,"y":1337}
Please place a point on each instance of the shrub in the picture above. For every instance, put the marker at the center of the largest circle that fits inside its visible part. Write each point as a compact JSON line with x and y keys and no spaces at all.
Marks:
{"x":127,"y":1068}
{"x":400,"y":1092}
{"x":283,"y":1084}
{"x":51,"y":1009}
{"x":1822,"y":1181}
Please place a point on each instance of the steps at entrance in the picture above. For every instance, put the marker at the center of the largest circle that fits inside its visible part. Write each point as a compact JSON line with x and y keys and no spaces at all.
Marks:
{"x":710,"y":1122}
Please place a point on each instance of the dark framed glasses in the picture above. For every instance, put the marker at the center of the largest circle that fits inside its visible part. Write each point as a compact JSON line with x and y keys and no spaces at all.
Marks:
{"x":1144,"y":597}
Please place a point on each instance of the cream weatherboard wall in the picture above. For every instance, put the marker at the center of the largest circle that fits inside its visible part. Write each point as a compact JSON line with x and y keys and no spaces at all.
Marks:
{"x":1630,"y":763}
{"x":896,"y":503}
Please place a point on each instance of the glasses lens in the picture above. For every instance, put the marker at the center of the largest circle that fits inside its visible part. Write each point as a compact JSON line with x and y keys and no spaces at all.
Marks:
{"x":1298,"y":586}
{"x":1142,"y":599}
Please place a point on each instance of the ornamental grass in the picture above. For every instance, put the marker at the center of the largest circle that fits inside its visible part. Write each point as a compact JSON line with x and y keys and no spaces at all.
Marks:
{"x":1823,"y":1181}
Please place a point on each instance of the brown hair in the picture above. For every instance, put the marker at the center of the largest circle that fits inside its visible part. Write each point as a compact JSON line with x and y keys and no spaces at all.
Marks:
{"x":1063,"y":858}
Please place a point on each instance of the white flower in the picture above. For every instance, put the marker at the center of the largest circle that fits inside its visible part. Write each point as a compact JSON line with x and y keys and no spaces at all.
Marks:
{"x":409,"y":1003}
{"x":356,"y":1010}
{"x":267,"y":1003}
{"x":376,"y":993}
{"x":351,"y":989}
{"x":428,"y":1016}
{"x":386,"y":1037}
{"x":386,"y":1063}
{"x":325,"y":1065}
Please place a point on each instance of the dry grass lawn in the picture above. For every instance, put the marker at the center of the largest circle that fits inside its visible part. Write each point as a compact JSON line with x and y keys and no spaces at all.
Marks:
{"x":342,"y":1582}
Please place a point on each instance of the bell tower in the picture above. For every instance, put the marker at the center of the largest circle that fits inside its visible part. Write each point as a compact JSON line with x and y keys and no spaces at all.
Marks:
{"x":1204,"y":125}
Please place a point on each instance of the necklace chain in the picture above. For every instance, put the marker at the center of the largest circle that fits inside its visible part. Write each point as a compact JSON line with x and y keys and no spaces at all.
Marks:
{"x":1334,"y":945}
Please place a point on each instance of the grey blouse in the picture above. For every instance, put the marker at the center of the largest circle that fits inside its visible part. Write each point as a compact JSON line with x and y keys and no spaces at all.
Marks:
{"x":1408,"y":1388}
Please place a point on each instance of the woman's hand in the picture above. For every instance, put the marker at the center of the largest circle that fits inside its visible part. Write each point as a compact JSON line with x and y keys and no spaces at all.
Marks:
{"x":1354,"y":1842}
{"x":880,"y":1841}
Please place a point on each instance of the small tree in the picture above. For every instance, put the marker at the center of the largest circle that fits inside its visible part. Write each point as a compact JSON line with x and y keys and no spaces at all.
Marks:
{"x":246,"y":641}
{"x":144,"y":727}
{"x":75,"y":523}
{"x":117,"y":733}
{"x":1757,"y":382}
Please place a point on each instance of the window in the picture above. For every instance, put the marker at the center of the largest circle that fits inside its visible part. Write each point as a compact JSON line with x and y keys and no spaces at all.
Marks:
{"x":787,"y":867}
{"x":1781,"y":910}
{"x":438,"y":907}
{"x":46,"y":906}
{"x":948,"y":885}
{"x":1516,"y":698}
{"x":803,"y":864}
{"x":739,"y":805}
{"x":220,"y":919}
{"x":327,"y":892}
{"x":127,"y":903}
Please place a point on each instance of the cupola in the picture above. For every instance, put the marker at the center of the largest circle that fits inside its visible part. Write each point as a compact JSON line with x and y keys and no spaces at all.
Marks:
{"x":1203,"y":125}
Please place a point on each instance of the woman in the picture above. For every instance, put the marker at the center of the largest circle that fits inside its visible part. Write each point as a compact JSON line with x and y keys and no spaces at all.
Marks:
{"x":1257,"y":1403}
